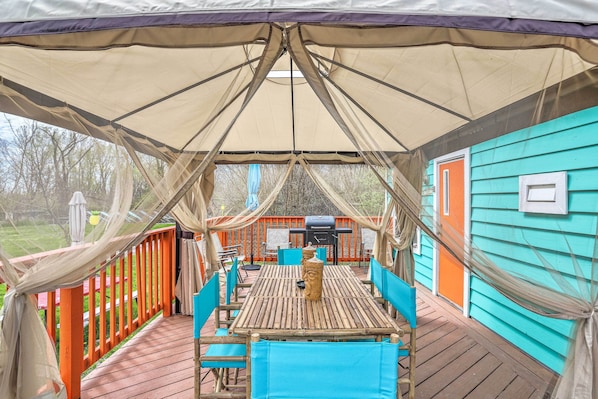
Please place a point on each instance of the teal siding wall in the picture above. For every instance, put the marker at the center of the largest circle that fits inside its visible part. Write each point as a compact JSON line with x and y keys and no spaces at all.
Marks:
{"x":424,"y":262}
{"x":567,"y":144}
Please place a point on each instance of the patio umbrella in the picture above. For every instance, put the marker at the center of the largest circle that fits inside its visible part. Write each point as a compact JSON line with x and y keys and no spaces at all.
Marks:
{"x":254,"y":178}
{"x":77,"y":218}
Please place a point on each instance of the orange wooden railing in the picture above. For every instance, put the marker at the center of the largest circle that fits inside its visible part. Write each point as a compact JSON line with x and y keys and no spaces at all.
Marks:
{"x":348,"y":244}
{"x":132,"y":289}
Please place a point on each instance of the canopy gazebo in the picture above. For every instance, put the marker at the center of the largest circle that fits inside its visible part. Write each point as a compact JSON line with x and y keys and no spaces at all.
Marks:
{"x":315,"y":83}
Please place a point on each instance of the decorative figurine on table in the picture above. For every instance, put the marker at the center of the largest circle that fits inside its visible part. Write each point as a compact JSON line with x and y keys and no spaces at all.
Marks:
{"x":307,"y":253}
{"x":313,"y":270}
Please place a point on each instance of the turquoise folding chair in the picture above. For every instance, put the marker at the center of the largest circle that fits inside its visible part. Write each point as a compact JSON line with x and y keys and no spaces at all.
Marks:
{"x":231,"y":299}
{"x":289,"y":256}
{"x":293,"y":256}
{"x":332,"y":370}
{"x":402,"y":297}
{"x":321,"y":254}
{"x":377,"y":280}
{"x":224,"y":351}
{"x":378,"y":276}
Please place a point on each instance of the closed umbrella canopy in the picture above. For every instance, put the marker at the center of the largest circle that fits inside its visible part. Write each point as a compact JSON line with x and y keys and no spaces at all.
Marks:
{"x":77,"y":218}
{"x":254,"y":178}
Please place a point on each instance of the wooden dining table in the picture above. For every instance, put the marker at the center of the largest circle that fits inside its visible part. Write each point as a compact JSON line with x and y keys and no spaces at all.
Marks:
{"x":275,"y":307}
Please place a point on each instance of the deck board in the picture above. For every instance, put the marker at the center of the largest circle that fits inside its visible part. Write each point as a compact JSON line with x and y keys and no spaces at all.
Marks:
{"x":456,"y":358}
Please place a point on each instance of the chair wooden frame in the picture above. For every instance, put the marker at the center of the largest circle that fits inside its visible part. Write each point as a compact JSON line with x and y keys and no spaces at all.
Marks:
{"x":224,"y":351}
{"x":232,"y":302}
{"x":402,"y":297}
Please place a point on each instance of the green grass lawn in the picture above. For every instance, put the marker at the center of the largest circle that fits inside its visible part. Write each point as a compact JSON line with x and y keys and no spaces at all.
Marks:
{"x":29,"y":239}
{"x":34,"y":238}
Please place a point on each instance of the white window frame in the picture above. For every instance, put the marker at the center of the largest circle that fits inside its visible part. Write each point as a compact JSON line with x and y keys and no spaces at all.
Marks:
{"x":544,"y":193}
{"x":417,"y":241}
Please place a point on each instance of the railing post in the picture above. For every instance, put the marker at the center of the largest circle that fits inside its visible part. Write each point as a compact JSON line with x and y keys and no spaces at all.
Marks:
{"x":71,"y":339}
{"x":167,"y":242}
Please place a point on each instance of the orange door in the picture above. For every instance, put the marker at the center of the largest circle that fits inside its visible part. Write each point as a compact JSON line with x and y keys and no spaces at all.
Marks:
{"x":451,"y":209}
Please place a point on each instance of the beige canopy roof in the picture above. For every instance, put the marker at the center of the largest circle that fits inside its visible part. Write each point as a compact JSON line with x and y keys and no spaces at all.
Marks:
{"x":175,"y":81}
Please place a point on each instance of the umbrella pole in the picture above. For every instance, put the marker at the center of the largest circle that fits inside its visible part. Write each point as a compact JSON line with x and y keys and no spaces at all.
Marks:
{"x":251,"y":266}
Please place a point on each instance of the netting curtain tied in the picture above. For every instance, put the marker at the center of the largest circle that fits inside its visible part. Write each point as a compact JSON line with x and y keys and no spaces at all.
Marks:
{"x":28,"y":366}
{"x":188,"y":189}
{"x":190,"y":278}
{"x":192,"y":212}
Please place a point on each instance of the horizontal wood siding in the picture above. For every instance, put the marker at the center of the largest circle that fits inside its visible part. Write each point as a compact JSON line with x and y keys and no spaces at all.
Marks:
{"x":567,"y":144}
{"x":424,"y":261}
{"x":543,"y":338}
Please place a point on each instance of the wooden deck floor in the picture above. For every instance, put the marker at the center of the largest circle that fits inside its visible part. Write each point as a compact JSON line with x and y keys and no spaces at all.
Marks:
{"x":456,"y":358}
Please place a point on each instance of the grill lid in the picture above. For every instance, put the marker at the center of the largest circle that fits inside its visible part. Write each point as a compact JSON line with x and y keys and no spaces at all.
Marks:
{"x":320,"y":222}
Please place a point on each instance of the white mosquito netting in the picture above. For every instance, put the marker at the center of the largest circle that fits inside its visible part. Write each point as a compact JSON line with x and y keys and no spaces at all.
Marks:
{"x":316,"y":83}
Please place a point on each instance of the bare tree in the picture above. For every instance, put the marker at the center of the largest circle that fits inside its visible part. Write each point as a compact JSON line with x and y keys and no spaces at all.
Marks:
{"x":3,"y":167}
{"x":68,"y":149}
{"x":28,"y":175}
{"x":230,"y":192}
{"x":300,"y":196}
{"x":44,"y":165}
{"x":93,"y":174}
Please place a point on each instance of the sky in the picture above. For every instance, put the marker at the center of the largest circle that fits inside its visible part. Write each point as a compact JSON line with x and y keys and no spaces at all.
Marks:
{"x":5,"y":132}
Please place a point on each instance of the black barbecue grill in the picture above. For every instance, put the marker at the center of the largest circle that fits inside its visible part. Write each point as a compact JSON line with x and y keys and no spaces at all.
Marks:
{"x":321,"y":230}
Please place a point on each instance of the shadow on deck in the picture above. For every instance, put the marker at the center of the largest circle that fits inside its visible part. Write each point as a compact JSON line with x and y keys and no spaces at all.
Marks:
{"x":456,"y":358}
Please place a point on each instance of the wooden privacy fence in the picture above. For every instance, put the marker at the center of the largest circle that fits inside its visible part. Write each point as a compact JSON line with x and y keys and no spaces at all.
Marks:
{"x":251,"y":238}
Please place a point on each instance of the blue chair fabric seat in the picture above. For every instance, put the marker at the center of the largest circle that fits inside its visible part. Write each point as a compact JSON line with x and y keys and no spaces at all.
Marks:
{"x":332,"y":370}
{"x":378,"y":276}
{"x":402,"y":297}
{"x":293,"y":256}
{"x":232,"y":284}
{"x":227,"y":350}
